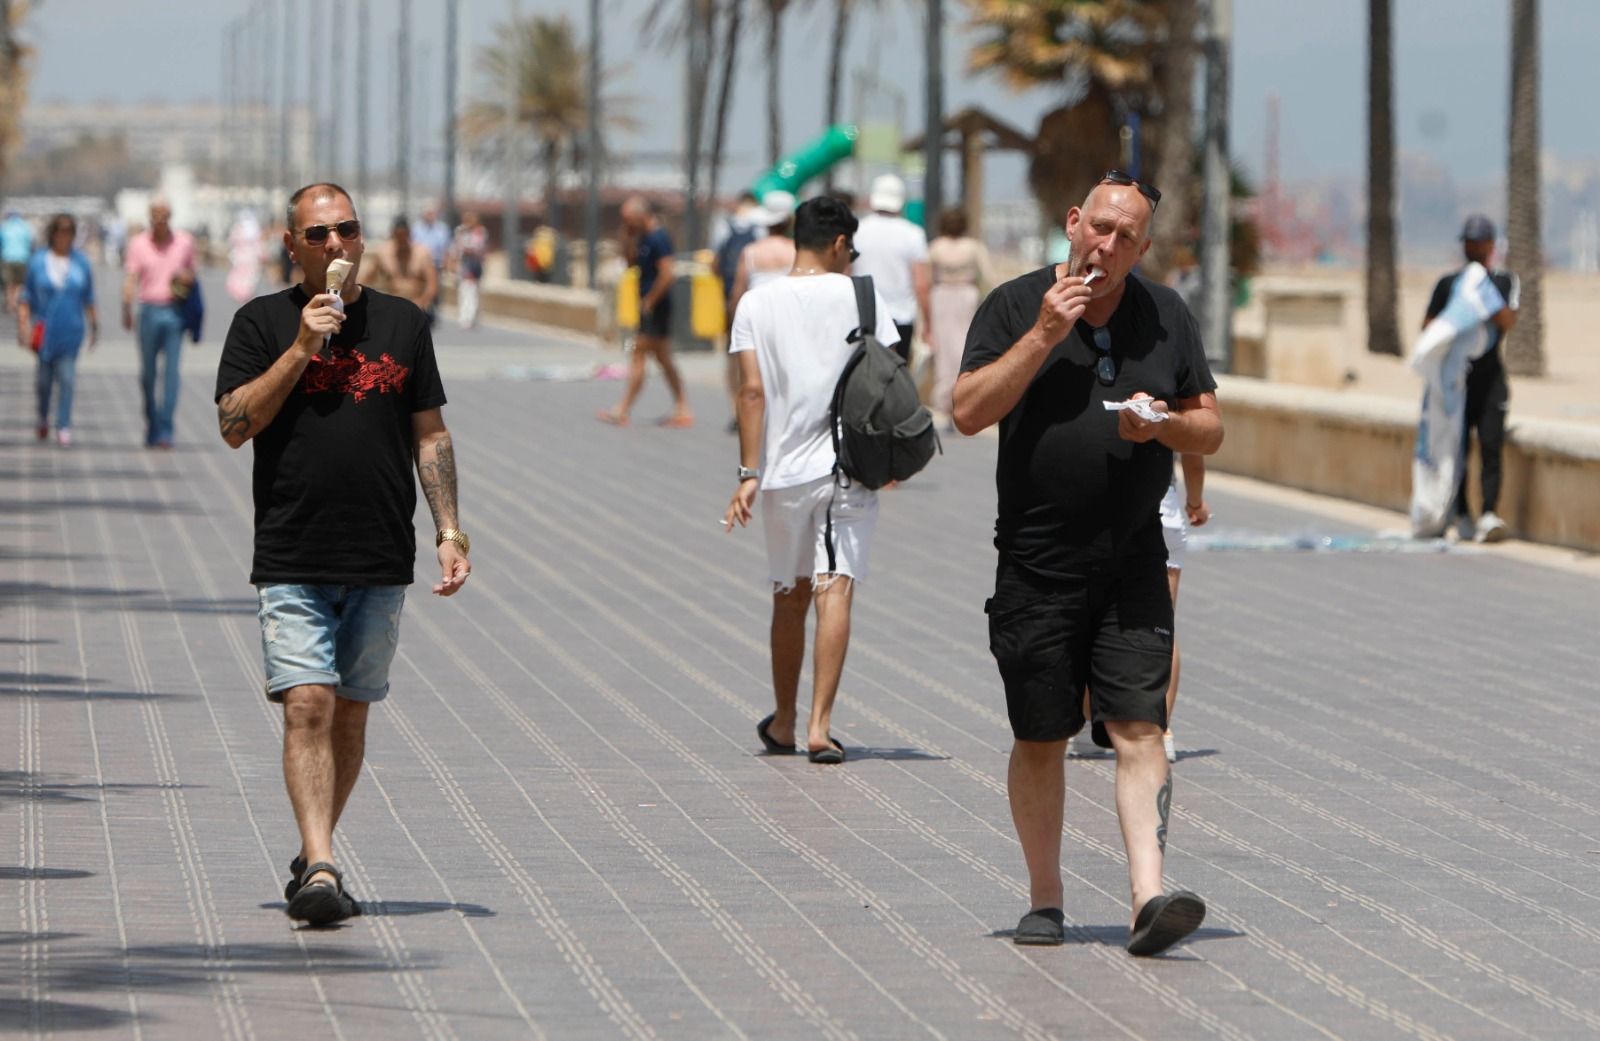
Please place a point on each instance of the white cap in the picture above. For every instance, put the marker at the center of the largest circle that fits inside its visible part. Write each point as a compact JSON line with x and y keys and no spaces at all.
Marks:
{"x":888,"y":194}
{"x":777,"y":206}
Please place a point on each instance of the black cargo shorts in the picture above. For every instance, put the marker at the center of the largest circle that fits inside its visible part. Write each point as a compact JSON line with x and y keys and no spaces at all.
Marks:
{"x":1052,"y":638}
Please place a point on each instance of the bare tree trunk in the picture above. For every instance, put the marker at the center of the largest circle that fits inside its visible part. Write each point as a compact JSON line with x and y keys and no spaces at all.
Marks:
{"x":1174,"y":150}
{"x":1524,"y":350}
{"x":1383,"y":324}
{"x":730,"y":66}
{"x":774,"y":109}
{"x":842,"y":10}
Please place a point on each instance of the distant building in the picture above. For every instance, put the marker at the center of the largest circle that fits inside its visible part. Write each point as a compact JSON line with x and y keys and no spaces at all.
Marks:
{"x":241,"y":143}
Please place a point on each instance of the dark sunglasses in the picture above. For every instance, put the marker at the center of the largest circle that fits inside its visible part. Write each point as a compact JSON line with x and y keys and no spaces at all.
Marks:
{"x":851,"y":246}
{"x":1105,"y":369}
{"x":316,"y":234}
{"x":1149,"y":191}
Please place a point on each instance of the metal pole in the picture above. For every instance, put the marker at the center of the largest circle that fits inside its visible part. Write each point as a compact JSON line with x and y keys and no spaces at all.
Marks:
{"x":363,"y":76}
{"x":933,"y":132}
{"x":315,"y":169}
{"x":452,"y":16}
{"x":332,"y":118}
{"x":285,"y":95}
{"x":591,"y":203}
{"x":1215,"y":282}
{"x":263,"y":125}
{"x":403,"y":173}
{"x":692,"y":106}
{"x":226,"y":116}
{"x":508,"y":218}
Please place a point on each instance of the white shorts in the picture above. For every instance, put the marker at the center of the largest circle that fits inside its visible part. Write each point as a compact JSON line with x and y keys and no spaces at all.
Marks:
{"x":1174,"y":527}
{"x":796,"y":524}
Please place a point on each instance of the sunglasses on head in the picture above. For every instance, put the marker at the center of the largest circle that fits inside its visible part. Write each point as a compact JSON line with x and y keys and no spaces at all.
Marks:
{"x":1105,"y":369}
{"x":1149,"y":191}
{"x":316,"y":234}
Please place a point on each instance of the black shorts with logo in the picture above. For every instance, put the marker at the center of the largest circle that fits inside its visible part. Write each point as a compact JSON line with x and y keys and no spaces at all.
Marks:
{"x":1052,"y":638}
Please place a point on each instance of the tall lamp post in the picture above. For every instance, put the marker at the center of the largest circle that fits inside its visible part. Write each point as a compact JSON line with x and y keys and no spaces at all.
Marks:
{"x":591,"y":202}
{"x":933,"y":132}
{"x":1216,"y":216}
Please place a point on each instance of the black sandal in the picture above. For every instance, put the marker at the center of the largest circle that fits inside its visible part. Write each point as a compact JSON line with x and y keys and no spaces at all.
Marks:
{"x":1164,"y":920}
{"x":833,"y":755}
{"x":773,"y":747}
{"x":319,"y":902}
{"x":297,"y":867}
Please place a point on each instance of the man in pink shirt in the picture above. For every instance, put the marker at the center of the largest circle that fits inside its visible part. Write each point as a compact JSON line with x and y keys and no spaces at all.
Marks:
{"x":160,"y":271}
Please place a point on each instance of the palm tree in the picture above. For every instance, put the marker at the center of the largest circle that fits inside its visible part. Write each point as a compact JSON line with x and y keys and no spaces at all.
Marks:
{"x":842,"y":10}
{"x":774,"y":52}
{"x":734,"y":22}
{"x":540,"y":55}
{"x":15,"y":69}
{"x":1525,"y":343}
{"x":1383,"y":324}
{"x":1174,"y":76}
{"x":1103,"y":53}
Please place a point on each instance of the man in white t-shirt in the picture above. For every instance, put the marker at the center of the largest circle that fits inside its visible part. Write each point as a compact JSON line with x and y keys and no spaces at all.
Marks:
{"x":792,"y":337}
{"x":894,"y":252}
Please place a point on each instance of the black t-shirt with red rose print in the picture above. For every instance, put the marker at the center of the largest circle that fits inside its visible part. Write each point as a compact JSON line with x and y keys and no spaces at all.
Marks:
{"x":333,"y":483}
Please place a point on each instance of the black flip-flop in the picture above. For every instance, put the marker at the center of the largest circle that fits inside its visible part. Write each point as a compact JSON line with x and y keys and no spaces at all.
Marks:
{"x":1164,"y":920}
{"x":773,"y":747}
{"x":833,"y":755}
{"x":319,"y":902}
{"x":1045,"y":927}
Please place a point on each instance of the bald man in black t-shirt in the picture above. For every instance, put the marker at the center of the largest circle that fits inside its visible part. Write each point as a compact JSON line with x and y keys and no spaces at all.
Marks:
{"x":1081,"y":596}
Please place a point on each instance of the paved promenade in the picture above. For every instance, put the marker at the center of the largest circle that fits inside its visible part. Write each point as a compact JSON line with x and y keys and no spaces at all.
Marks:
{"x":1387,"y":792}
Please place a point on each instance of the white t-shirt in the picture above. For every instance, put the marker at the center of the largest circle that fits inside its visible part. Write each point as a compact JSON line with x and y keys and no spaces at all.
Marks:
{"x":889,"y":246}
{"x":798,"y":327}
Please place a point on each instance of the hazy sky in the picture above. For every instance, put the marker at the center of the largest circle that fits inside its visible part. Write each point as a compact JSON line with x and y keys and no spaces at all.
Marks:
{"x":1451,"y":56}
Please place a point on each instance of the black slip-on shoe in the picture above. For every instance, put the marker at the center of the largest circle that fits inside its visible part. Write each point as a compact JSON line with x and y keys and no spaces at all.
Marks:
{"x":1164,"y":920}
{"x":833,"y":755}
{"x":1045,"y":927}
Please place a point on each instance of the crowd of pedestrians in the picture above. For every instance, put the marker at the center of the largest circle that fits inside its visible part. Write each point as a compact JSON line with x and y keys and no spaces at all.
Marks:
{"x":1094,"y":375}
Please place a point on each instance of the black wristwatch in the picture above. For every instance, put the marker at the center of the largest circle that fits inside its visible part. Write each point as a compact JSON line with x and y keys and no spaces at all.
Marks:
{"x":748,"y":474}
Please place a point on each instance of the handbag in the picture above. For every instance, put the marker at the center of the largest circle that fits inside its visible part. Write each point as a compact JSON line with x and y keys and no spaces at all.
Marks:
{"x":37,"y":340}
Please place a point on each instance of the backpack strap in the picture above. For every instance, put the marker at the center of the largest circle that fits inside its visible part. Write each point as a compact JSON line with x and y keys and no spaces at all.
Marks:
{"x":866,"y":307}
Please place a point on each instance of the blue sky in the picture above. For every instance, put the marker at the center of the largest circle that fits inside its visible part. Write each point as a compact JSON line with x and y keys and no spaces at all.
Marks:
{"x":1451,"y":56}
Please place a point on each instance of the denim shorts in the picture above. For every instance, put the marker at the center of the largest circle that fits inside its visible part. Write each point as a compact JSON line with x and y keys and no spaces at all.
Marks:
{"x":343,"y":637}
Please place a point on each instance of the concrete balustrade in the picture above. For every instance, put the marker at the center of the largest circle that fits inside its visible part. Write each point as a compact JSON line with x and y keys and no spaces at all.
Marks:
{"x":1359,"y":447}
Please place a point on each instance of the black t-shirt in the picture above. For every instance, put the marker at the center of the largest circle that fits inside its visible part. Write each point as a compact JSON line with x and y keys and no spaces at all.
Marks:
{"x":1075,"y":499}
{"x":653,"y":246}
{"x":1489,"y":361}
{"x":333,"y":483}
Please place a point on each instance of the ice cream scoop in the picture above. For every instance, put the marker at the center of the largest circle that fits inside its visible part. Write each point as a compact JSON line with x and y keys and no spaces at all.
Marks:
{"x":338,"y":271}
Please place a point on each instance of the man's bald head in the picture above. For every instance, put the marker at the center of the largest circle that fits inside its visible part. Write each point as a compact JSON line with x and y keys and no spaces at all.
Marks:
{"x":637,"y":211}
{"x":1123,"y":200}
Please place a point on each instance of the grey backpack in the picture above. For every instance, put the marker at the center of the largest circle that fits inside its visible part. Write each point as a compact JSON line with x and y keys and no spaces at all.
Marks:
{"x":881,"y":431}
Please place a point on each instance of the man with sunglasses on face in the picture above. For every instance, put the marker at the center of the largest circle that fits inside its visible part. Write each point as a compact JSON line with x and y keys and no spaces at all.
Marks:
{"x":341,"y":396}
{"x":1081,"y":596}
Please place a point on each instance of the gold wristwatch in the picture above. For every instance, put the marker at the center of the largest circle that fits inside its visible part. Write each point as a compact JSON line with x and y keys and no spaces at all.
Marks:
{"x":456,"y":536}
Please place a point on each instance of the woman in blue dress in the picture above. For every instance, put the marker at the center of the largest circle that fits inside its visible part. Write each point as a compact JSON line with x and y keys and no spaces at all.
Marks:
{"x":58,"y":290}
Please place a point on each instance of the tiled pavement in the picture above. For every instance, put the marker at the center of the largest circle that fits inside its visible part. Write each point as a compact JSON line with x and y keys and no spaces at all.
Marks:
{"x":1387,"y":793}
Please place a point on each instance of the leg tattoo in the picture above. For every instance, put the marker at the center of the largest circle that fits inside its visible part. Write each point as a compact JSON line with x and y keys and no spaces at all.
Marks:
{"x":1164,"y":808}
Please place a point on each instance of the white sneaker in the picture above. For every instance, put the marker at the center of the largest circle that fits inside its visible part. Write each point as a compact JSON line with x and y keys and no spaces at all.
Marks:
{"x":1082,"y":745}
{"x":64,"y":437}
{"x":1166,"y":743}
{"x":1491,"y":528}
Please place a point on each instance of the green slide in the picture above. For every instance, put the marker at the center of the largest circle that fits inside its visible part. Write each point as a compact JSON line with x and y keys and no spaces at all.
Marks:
{"x":836,"y":144}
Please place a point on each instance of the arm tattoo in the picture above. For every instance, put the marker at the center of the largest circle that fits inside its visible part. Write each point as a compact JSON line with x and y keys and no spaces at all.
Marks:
{"x":1164,"y":808}
{"x":438,"y":477}
{"x":232,"y":416}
